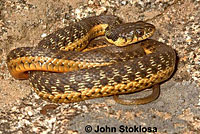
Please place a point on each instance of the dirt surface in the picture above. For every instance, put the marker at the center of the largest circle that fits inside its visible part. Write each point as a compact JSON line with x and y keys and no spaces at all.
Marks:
{"x":26,"y":22}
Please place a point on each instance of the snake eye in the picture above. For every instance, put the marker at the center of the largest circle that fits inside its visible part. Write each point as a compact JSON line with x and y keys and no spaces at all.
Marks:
{"x":139,"y":32}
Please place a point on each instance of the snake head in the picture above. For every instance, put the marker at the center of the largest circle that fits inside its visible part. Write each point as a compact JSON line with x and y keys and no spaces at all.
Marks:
{"x":128,"y":33}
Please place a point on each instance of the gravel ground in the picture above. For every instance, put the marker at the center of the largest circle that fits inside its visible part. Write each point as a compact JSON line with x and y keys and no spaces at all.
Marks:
{"x":26,"y":22}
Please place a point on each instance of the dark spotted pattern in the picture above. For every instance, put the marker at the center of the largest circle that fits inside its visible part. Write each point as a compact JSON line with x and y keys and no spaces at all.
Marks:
{"x":118,"y":79}
{"x":104,"y":81}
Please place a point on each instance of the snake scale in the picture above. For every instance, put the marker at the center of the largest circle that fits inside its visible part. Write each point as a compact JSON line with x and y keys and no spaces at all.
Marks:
{"x":65,"y":68}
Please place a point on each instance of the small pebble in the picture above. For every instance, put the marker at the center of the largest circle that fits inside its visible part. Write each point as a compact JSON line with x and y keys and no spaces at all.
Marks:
{"x":43,"y":35}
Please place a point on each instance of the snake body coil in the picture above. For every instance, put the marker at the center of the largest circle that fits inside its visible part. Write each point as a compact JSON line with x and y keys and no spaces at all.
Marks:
{"x":103,"y":71}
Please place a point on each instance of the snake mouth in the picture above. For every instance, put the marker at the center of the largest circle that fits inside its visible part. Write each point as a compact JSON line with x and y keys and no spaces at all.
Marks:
{"x":148,"y":32}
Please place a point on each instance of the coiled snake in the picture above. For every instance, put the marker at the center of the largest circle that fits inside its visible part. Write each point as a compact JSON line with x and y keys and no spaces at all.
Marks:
{"x":88,"y":71}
